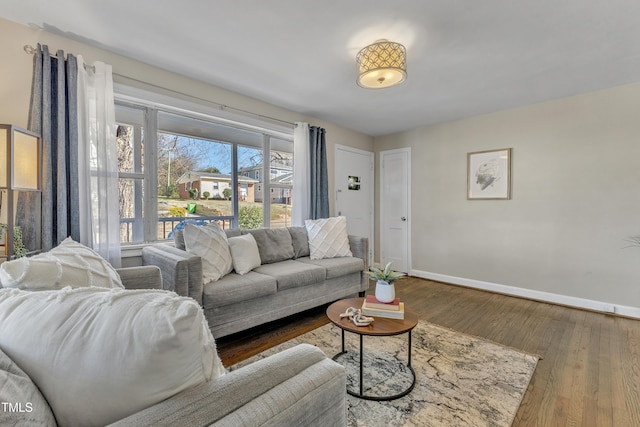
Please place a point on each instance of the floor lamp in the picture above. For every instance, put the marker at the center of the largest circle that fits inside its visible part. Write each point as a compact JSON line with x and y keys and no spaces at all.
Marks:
{"x":20,"y":192}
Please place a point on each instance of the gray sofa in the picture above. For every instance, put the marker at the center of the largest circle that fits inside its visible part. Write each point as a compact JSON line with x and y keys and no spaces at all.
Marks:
{"x":299,"y":386}
{"x":287,"y":281}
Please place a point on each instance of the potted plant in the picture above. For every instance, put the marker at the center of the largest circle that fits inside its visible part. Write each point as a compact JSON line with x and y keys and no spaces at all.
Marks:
{"x":385,"y":289}
{"x":19,"y":250}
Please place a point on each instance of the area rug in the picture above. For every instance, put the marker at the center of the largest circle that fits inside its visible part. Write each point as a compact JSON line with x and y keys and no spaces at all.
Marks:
{"x":461,"y":380}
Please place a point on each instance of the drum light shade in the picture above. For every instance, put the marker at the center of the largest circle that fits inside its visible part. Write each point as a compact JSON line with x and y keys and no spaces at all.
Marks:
{"x":382,"y":64}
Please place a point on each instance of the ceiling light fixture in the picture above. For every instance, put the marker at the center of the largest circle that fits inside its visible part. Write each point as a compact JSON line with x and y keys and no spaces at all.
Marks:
{"x":382,"y":64}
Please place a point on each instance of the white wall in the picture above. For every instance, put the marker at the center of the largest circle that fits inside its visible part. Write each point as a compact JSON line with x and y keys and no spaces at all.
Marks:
{"x":575,"y":198}
{"x":16,"y":73}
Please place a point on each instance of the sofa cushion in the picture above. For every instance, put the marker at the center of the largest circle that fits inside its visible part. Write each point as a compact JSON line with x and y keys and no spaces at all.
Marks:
{"x":232,"y":232}
{"x":234,"y":288}
{"x":244,"y":253}
{"x":68,"y":264}
{"x":28,"y":405}
{"x":328,"y":237}
{"x":293,"y":274}
{"x":274,"y":244}
{"x":210,"y":243}
{"x":99,"y":355}
{"x":337,"y":267}
{"x":300,"y":241}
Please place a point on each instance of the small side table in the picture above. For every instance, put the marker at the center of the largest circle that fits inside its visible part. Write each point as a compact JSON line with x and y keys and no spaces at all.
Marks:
{"x":381,"y":327}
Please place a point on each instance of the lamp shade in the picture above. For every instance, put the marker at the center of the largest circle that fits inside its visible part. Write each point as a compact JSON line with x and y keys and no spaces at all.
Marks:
{"x":20,"y":158}
{"x":382,"y":64}
{"x":20,"y":195}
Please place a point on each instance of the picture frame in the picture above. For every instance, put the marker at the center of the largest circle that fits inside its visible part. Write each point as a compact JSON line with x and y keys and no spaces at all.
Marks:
{"x":489,"y":175}
{"x":354,"y":183}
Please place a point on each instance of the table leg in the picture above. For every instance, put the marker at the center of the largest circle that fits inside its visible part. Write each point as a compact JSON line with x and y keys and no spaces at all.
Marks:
{"x":409,"y":350}
{"x":343,"y":340}
{"x":361,"y":363}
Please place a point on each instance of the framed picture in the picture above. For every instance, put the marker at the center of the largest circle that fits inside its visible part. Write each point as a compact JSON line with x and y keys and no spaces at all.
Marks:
{"x":354,"y":182}
{"x":489,"y":175}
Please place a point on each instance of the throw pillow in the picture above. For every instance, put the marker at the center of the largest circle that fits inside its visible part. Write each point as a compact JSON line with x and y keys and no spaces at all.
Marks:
{"x":300,"y":241}
{"x":274,"y":244}
{"x":245,"y":254}
{"x":209,"y":242}
{"x":99,"y":355}
{"x":328,"y":237}
{"x":25,"y":405}
{"x":68,"y":264}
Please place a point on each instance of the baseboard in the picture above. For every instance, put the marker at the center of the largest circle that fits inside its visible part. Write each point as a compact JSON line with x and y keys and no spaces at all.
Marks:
{"x":604,"y":307}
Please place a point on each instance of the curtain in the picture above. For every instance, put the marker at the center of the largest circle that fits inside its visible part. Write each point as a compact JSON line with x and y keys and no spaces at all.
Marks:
{"x":319,"y":193}
{"x":301,"y":184}
{"x":310,"y":176}
{"x":98,"y":166}
{"x":53,"y":115}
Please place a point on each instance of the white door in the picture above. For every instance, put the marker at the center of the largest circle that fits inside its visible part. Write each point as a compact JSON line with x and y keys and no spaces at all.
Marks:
{"x":354,"y":188}
{"x":395,"y":207}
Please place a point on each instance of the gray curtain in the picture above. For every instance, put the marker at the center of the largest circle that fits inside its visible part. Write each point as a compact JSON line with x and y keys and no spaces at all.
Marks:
{"x":318,"y":174}
{"x":54,"y":115}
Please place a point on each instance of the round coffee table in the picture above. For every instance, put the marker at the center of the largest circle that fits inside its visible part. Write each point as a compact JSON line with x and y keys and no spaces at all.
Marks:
{"x":380,"y":327}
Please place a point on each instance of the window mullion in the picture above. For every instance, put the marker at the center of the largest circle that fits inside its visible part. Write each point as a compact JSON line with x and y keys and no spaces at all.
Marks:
{"x":235,"y":208}
{"x":266,"y":174}
{"x":151,"y":176}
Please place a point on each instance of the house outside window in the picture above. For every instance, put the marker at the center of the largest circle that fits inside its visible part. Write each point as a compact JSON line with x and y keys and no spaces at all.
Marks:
{"x":190,"y":168}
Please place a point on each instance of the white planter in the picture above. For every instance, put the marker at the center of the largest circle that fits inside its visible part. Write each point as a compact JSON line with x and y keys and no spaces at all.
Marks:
{"x":385,"y":292}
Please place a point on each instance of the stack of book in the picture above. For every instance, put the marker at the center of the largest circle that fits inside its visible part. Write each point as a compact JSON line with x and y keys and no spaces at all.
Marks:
{"x":372,"y":307}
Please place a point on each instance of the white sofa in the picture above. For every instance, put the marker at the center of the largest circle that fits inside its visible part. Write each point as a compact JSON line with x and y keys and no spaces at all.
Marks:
{"x":299,"y":386}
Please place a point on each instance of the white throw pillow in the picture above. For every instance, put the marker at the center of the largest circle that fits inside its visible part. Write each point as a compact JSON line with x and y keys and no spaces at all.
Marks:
{"x":245,"y":253}
{"x":68,"y":264}
{"x":328,"y":237}
{"x":209,"y":242}
{"x":99,"y":355}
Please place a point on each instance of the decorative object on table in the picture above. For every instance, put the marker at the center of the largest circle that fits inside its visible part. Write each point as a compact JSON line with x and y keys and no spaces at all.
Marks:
{"x":20,"y":191}
{"x":385,"y":290}
{"x":372,"y":302}
{"x":377,"y":312}
{"x":490,"y":379}
{"x":356,"y":316}
{"x":489,"y":175}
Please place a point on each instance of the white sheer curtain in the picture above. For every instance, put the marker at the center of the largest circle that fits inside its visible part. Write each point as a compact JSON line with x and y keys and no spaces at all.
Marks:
{"x":98,"y":161}
{"x":301,"y":166}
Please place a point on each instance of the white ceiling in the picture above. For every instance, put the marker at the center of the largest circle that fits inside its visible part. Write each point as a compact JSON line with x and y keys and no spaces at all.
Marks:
{"x":465,"y":57}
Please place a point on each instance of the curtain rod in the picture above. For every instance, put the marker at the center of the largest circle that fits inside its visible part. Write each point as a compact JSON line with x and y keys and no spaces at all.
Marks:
{"x":31,"y":51}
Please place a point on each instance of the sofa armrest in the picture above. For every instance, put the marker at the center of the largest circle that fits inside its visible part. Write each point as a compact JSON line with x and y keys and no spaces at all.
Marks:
{"x":145,"y":277}
{"x":181,"y":271}
{"x":298,"y":386}
{"x":360,"y":248}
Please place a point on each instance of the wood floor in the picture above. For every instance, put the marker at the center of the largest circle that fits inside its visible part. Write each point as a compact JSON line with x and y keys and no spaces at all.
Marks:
{"x":589,"y":374}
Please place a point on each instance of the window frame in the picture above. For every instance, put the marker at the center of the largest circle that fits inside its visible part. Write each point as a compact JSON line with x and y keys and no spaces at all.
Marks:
{"x":152,"y":104}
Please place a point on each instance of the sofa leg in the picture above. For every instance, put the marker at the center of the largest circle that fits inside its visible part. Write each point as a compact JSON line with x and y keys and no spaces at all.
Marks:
{"x":361,"y":294}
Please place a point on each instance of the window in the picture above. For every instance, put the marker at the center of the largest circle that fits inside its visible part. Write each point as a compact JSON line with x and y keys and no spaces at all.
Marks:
{"x":196,"y":167}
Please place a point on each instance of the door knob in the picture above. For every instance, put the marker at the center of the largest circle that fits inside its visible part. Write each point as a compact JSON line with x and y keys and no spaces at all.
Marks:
{"x":404,"y":218}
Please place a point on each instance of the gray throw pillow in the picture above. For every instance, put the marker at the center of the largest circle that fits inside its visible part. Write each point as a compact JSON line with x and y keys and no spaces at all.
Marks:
{"x":274,"y":244}
{"x":300,"y":241}
{"x":23,"y":402}
{"x":178,"y":239}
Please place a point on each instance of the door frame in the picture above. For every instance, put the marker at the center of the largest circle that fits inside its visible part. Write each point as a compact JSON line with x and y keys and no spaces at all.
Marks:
{"x":381,"y":156}
{"x":371,"y":156}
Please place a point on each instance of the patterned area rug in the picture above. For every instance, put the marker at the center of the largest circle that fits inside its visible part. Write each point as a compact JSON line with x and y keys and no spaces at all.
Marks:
{"x":461,"y":380}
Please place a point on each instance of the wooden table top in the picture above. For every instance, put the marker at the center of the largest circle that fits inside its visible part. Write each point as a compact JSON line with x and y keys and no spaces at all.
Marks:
{"x":381,"y":326}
